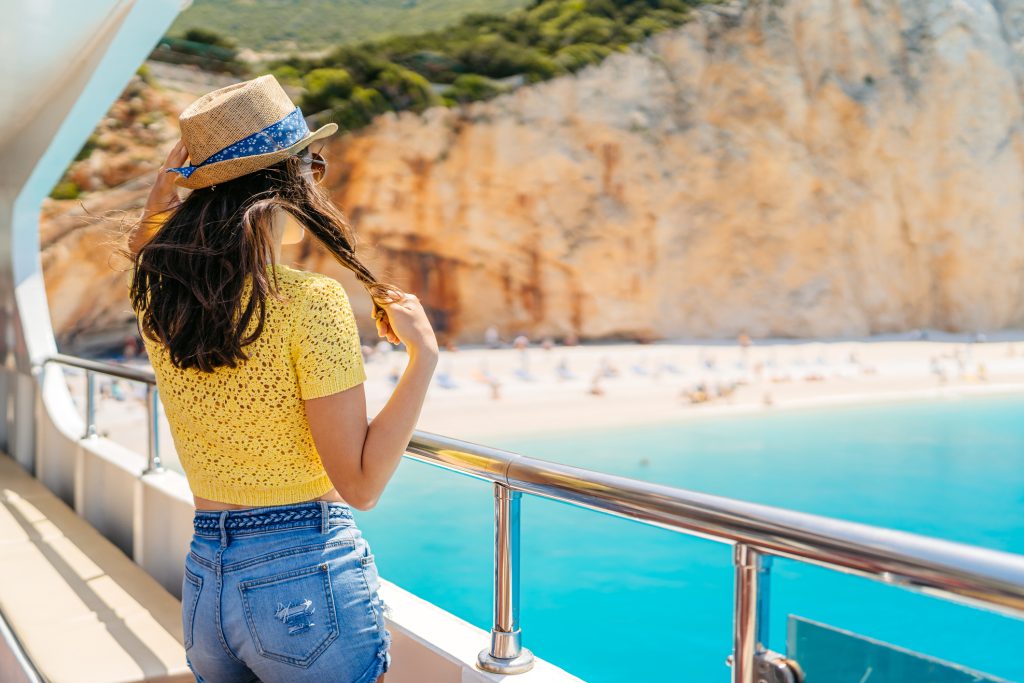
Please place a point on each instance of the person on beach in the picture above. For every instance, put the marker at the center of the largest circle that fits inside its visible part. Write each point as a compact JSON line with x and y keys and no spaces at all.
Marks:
{"x":491,"y":337}
{"x":260,"y":370}
{"x":562,"y":370}
{"x":606,"y":368}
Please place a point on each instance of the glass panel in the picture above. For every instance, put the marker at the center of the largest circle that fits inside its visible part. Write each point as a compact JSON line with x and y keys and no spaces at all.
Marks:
{"x":831,"y":655}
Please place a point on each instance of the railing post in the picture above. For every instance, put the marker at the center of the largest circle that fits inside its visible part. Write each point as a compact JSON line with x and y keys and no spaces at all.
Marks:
{"x":750,"y":612}
{"x":764,"y":592}
{"x":506,"y":654}
{"x":90,"y":404}
{"x":153,"y":464}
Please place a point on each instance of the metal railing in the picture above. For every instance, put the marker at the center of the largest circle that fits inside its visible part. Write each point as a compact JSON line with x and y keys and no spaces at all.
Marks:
{"x":92,"y":368}
{"x":975,"y":576}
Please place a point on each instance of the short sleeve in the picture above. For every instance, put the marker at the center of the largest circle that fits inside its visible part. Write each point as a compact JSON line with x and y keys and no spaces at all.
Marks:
{"x":325,"y":345}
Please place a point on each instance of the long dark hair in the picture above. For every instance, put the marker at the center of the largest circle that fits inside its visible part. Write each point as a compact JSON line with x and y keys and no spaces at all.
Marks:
{"x":188,"y":280}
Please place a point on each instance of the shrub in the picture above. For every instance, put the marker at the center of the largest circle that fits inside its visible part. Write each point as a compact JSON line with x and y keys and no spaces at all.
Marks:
{"x":589,"y":30}
{"x":404,"y":89}
{"x":496,"y":57}
{"x":91,"y":143}
{"x":359,"y":109}
{"x":325,"y":88}
{"x":144,"y":73}
{"x":433,"y":65}
{"x":363,"y":64}
{"x":65,"y":190}
{"x":472,"y":87}
{"x":205,"y":35}
{"x":575,"y":57}
{"x":286,"y":73}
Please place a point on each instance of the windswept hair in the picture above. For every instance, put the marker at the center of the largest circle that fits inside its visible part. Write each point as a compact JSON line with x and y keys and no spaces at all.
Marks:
{"x":188,"y":280}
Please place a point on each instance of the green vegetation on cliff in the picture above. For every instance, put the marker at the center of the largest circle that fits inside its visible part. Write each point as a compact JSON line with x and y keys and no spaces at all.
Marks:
{"x":309,"y":25}
{"x":477,"y":58}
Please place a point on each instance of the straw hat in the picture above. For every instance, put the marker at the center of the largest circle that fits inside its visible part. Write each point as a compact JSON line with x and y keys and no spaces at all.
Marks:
{"x":239,"y":129}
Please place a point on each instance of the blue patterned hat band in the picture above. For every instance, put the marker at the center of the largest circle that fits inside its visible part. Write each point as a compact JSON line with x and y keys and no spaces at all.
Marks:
{"x":274,"y":137}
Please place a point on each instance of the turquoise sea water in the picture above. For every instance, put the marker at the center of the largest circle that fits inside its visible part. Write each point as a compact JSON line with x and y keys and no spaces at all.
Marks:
{"x":612,"y":600}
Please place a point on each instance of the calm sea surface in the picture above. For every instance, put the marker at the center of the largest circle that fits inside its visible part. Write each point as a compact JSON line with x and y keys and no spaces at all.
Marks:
{"x":611,"y":600}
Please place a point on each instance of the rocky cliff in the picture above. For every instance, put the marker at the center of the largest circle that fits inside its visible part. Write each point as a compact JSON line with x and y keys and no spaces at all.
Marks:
{"x":86,"y":284}
{"x":784,"y":167}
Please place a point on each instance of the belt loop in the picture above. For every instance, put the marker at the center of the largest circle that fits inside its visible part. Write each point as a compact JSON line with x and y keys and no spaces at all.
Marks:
{"x":223,"y":532}
{"x":324,"y":517}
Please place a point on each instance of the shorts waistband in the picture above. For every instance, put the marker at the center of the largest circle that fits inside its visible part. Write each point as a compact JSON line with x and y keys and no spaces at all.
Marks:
{"x":310,"y":513}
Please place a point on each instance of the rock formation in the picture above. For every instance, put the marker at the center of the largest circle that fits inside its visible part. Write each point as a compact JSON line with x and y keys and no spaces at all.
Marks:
{"x":784,"y":167}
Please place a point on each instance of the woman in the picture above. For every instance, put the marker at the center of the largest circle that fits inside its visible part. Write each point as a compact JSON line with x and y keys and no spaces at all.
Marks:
{"x":260,"y":372}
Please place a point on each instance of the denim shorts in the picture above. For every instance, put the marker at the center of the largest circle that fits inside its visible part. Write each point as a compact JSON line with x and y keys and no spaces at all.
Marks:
{"x":282,"y":593}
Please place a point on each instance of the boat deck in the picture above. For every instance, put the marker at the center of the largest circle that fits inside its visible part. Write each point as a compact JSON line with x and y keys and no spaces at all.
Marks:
{"x":80,"y":608}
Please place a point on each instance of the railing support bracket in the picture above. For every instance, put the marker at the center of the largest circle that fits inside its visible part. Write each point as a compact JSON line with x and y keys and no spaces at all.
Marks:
{"x":751,"y":660}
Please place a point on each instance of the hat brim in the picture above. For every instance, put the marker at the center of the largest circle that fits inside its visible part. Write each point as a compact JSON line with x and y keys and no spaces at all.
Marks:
{"x":229,"y":169}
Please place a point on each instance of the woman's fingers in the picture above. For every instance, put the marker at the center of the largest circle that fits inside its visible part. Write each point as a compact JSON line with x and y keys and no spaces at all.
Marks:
{"x":384,"y":330}
{"x":405,"y":312}
{"x":177,"y":155}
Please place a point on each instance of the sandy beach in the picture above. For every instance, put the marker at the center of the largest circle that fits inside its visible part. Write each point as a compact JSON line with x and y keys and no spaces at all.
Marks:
{"x":481,"y":394}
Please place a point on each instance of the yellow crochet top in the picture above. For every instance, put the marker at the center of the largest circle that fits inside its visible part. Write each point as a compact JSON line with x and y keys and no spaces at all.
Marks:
{"x":241,"y":433}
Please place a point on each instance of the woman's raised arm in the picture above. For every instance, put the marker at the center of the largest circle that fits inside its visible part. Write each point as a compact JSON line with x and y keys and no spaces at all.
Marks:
{"x":162,"y":197}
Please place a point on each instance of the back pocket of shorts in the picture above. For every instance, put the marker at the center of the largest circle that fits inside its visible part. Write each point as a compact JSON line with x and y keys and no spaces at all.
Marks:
{"x":190,"y":589}
{"x":291,"y":614}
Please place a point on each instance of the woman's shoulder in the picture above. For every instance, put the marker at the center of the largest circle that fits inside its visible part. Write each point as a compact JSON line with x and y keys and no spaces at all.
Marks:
{"x":306,"y":277}
{"x":307,"y":283}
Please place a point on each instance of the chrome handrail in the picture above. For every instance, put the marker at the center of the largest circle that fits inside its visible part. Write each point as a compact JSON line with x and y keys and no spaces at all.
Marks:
{"x":963,"y":573}
{"x":112,"y":369}
{"x":92,"y":367}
